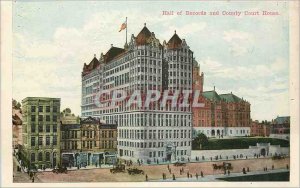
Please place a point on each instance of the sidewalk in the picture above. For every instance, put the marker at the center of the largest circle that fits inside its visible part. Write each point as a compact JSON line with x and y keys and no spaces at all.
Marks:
{"x":214,"y":178}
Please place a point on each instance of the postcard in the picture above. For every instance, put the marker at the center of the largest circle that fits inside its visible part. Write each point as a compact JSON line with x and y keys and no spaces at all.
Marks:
{"x":150,"y":94}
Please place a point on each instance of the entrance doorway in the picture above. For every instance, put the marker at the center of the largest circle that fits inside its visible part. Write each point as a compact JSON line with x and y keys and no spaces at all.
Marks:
{"x":169,"y":157}
{"x":263,"y":152}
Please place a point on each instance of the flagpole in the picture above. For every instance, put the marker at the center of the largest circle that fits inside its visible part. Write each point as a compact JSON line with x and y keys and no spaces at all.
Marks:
{"x":126,"y":30}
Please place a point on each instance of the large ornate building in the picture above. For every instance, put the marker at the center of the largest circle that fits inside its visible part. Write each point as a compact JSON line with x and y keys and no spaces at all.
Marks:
{"x":222,"y":115}
{"x":146,"y":133}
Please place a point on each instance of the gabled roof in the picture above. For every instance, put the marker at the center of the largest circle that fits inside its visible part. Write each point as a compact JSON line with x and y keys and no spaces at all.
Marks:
{"x":230,"y":98}
{"x":112,"y":53}
{"x":92,"y":65}
{"x":211,"y":95}
{"x":143,"y":36}
{"x":174,"y":42}
{"x":282,"y":119}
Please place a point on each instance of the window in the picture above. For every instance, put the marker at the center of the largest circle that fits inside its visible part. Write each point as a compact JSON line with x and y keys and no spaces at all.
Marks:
{"x":33,"y":128}
{"x":32,"y":117}
{"x":47,"y":108}
{"x":47,"y":156}
{"x":54,"y":140}
{"x":40,"y":157}
{"x":32,"y":157}
{"x":40,"y":108}
{"x":40,"y":127}
{"x":54,"y":118}
{"x":55,"y":129}
{"x":40,"y":141}
{"x":32,"y":141}
{"x":47,"y":118}
{"x":40,"y":118}
{"x":48,"y":128}
{"x":54,"y":108}
{"x":47,"y":140}
{"x":32,"y":108}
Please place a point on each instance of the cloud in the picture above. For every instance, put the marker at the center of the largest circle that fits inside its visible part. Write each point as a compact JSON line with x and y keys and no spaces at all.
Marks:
{"x":233,"y":35}
{"x":239,"y":42}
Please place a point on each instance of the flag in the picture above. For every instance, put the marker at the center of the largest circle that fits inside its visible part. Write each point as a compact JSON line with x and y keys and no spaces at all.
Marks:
{"x":123,"y":26}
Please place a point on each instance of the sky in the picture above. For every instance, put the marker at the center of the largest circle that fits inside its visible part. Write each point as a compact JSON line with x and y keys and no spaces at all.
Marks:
{"x":246,"y":55}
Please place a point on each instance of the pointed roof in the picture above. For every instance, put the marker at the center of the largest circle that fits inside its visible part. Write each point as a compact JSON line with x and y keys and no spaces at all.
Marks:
{"x":112,"y":53}
{"x":143,"y":36}
{"x":282,"y":119}
{"x":211,"y":95}
{"x":174,"y":42}
{"x":230,"y":98}
{"x":92,"y":65}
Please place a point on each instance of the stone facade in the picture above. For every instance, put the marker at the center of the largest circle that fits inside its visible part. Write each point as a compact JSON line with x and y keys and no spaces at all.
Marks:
{"x":148,"y":134}
{"x":41,"y":132}
{"x":88,"y":143}
{"x":262,"y":149}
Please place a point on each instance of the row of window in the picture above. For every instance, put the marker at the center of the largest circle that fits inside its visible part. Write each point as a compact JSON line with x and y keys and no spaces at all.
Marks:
{"x":43,"y":128}
{"x":153,"y":134}
{"x":86,"y":133}
{"x":44,"y":118}
{"x":44,"y":109}
{"x":42,"y":140}
{"x":151,"y":144}
{"x":40,"y":157}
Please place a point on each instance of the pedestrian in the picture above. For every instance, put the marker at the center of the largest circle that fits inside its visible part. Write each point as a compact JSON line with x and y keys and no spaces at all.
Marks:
{"x":197,"y":176}
{"x":201,"y":173}
{"x":188,"y":174}
{"x":272,"y":167}
{"x":287,"y":166}
{"x":174,"y":177}
{"x":228,"y":172}
{"x":32,"y":179}
{"x":146,"y":177}
{"x":96,"y":164}
{"x":168,"y":167}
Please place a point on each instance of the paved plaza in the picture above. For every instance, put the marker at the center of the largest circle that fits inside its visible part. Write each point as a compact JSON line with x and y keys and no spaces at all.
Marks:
{"x":154,"y":172}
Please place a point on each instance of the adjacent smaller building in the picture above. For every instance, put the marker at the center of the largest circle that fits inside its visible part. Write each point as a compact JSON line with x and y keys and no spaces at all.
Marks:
{"x":89,"y":142}
{"x":41,"y":132}
{"x":17,"y":127}
{"x":260,"y":129}
{"x":280,"y":127}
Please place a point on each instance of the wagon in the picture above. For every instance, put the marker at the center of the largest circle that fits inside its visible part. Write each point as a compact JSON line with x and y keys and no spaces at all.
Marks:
{"x":118,"y":168}
{"x":133,"y":171}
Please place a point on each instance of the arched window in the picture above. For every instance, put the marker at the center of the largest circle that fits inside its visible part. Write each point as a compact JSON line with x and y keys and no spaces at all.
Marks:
{"x":47,"y":156}
{"x":40,"y":156}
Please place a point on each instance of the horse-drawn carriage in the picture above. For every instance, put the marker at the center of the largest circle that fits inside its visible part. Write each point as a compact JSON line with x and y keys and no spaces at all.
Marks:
{"x":133,"y":171}
{"x":223,"y":166}
{"x":118,"y":168}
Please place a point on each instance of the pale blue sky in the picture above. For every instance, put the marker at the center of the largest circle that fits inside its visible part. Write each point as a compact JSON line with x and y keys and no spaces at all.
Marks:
{"x":246,"y":55}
